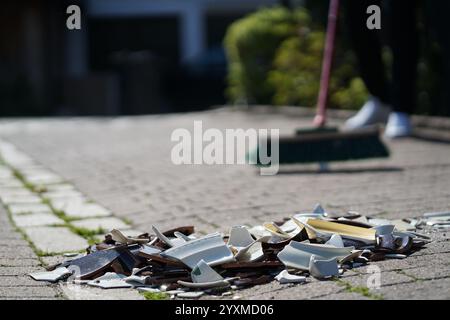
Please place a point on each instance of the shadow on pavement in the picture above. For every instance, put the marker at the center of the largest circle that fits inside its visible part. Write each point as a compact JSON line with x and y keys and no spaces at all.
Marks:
{"x":339,"y":171}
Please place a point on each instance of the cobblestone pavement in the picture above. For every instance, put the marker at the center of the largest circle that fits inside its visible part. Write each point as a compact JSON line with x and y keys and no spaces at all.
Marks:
{"x":17,"y":259}
{"x":124,"y":165}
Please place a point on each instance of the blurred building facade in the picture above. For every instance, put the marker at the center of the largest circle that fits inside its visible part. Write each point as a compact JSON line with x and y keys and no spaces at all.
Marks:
{"x":130,"y":56}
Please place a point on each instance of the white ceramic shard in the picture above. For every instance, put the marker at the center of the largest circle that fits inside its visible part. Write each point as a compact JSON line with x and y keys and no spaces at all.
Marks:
{"x":51,"y":276}
{"x":401,"y":225}
{"x":303,"y":217}
{"x":247,"y":248}
{"x":323,"y":228}
{"x":136,"y":280}
{"x":379,"y":222}
{"x":444,"y":226}
{"x":352,"y":256}
{"x":311,"y":231}
{"x":362,"y":219}
{"x":298,"y":255}
{"x":291,"y":227}
{"x":210,"y":248}
{"x":182,"y":236}
{"x":204,"y":273}
{"x":252,"y":252}
{"x":259,"y":231}
{"x":148,"y":289}
{"x":442,"y":218}
{"x":438,"y":223}
{"x":120,"y":237}
{"x":285,"y":277}
{"x":171,"y":242}
{"x":437,"y":214}
{"x":148,"y":250}
{"x":336,"y":241}
{"x":275,"y":239}
{"x":240,"y":237}
{"x":276,"y":230}
{"x":191,"y":294}
{"x":287,"y":230}
{"x":110,"y":280}
{"x":322,"y":269}
{"x":382,"y":230}
{"x":319,"y":210}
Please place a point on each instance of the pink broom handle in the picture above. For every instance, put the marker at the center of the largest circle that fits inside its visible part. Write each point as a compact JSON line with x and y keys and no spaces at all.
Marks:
{"x":321,"y":114}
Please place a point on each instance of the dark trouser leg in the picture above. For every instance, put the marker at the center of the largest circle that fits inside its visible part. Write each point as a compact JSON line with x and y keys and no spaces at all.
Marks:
{"x":438,"y":16}
{"x":367,"y":46}
{"x":404,"y":45}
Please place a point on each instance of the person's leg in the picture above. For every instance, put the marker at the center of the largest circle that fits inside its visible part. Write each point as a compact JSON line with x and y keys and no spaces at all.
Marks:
{"x":367,"y":46}
{"x":404,"y":45}
{"x":437,"y":12}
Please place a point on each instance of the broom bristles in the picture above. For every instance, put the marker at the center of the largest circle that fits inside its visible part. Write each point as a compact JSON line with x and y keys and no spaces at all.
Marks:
{"x":327,"y":145}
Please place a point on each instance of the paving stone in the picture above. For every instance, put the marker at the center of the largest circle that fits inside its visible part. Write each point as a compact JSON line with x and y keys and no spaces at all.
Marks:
{"x":27,"y":297}
{"x":55,"y":239}
{"x":19,"y":281}
{"x":4,"y":242}
{"x":106,"y":224}
{"x":10,"y":183}
{"x":36,"y":219}
{"x":19,"y":262}
{"x":21,"y":208}
{"x":420,"y":290}
{"x":62,"y":204}
{"x":64,"y":194}
{"x":387,"y":278}
{"x":17,"y":252}
{"x":5,"y":172}
{"x":426,"y":273}
{"x":8,"y":192}
{"x":6,"y":237}
{"x":52,"y":260}
{"x":310,"y":290}
{"x":43,"y":178}
{"x":30,"y":199}
{"x":19,"y":271}
{"x":77,"y":292}
{"x":413,"y":261}
{"x":76,"y":209}
{"x":59,"y":187}
{"x":28,"y":292}
{"x":344,"y":296}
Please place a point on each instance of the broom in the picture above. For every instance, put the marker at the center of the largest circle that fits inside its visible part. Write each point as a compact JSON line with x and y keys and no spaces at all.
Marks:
{"x":325,"y":144}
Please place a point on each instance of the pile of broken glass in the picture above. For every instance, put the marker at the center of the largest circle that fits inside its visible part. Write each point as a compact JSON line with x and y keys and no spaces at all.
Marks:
{"x":315,"y":244}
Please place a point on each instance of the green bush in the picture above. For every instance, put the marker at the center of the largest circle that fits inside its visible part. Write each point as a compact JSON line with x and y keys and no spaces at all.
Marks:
{"x":296,"y":74}
{"x":275,"y":57}
{"x":251,"y":44}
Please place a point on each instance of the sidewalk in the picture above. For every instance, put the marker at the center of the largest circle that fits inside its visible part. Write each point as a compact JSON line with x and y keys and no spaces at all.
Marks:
{"x":17,"y":259}
{"x":124,"y":165}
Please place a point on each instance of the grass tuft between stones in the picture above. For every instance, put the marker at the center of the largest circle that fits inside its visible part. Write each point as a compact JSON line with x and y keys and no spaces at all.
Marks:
{"x":364,"y":291}
{"x":22,"y":179}
{"x":155,"y":295}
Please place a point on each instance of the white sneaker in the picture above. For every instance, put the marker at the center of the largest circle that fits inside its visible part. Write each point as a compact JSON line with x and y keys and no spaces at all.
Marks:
{"x":399,"y":125}
{"x":373,"y":112}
